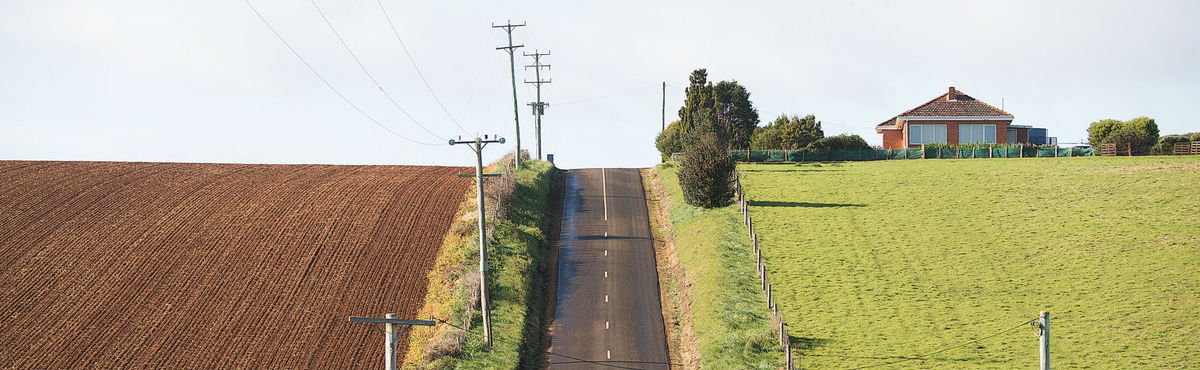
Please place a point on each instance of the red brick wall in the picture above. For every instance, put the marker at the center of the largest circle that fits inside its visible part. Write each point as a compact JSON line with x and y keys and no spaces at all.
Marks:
{"x":893,"y":139}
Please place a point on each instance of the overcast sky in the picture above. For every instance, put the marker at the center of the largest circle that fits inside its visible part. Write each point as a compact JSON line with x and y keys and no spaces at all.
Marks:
{"x":207,"y":81}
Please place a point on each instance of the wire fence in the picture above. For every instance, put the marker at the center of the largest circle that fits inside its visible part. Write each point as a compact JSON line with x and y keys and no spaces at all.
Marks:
{"x":926,"y":355}
{"x":781,"y":328}
{"x":764,"y":280}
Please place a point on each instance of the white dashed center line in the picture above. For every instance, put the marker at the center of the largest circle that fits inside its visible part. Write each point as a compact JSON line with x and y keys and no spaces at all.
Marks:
{"x":604,"y":185}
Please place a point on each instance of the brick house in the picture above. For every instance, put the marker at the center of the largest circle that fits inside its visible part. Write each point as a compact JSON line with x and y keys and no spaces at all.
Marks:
{"x":951,"y":118}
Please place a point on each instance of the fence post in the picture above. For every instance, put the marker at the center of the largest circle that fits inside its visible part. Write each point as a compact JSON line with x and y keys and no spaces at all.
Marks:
{"x":769,"y":301}
{"x":922,"y":151}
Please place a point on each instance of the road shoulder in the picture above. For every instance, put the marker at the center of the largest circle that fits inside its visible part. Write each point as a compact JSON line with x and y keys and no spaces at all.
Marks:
{"x":674,"y":286}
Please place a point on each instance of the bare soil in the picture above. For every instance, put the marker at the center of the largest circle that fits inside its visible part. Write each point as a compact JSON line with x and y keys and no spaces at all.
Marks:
{"x":202,"y":266}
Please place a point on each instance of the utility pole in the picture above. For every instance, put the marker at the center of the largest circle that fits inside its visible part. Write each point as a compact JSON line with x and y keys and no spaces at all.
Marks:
{"x":664,"y":106}
{"x":508,"y":28}
{"x":390,"y":336}
{"x":477,"y":146}
{"x":1043,"y":325}
{"x":539,"y":108}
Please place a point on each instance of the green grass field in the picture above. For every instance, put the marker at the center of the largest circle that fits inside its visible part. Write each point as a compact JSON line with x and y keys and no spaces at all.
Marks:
{"x":881,"y":261}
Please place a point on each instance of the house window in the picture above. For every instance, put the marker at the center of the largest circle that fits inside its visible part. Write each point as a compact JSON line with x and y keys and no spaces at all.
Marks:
{"x":1012,"y":136}
{"x":968,"y":134}
{"x":926,"y":134}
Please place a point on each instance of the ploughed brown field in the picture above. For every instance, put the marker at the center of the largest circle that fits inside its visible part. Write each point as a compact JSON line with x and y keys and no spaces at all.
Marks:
{"x":213,"y":266}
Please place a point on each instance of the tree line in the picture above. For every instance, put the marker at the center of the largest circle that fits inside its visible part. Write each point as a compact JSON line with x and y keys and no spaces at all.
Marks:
{"x":1139,"y":136}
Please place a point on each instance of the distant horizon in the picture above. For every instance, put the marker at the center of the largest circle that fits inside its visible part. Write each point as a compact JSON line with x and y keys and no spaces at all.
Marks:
{"x":210,"y":82}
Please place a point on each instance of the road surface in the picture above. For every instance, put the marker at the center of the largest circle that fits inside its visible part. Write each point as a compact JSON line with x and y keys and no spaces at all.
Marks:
{"x":608,"y":310}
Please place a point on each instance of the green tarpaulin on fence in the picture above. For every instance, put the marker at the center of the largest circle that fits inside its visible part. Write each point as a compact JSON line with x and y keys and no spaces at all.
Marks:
{"x":911,"y":153}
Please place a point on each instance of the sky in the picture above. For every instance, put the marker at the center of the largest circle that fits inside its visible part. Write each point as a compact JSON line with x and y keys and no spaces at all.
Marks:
{"x":208,"y":81}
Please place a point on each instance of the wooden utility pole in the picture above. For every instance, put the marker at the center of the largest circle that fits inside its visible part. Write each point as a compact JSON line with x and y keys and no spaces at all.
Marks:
{"x":539,"y":108}
{"x":664,"y":106}
{"x":508,"y":28}
{"x":390,"y":335}
{"x":477,"y":146}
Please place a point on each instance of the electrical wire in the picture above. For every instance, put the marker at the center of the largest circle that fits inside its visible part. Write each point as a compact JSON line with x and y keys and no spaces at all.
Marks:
{"x":922,"y":356}
{"x":474,"y":84}
{"x":396,"y":32}
{"x":609,"y":95}
{"x":367,"y":72}
{"x":487,"y":112}
{"x":326,"y":82}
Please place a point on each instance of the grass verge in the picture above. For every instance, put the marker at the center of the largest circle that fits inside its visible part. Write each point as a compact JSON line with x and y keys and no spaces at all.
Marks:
{"x":728,"y":311}
{"x":517,"y":264}
{"x":881,"y":261}
{"x":675,"y":289}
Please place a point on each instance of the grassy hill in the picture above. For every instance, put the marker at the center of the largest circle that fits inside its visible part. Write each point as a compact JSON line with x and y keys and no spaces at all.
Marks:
{"x":882,"y":261}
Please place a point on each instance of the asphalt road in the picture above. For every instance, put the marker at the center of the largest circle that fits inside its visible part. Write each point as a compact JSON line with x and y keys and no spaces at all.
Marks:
{"x":608,"y":310}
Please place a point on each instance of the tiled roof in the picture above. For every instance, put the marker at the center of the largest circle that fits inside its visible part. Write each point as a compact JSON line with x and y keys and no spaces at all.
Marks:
{"x":962,"y":106}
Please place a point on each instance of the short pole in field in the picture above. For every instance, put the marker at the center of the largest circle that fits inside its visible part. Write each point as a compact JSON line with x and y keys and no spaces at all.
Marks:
{"x":391,"y":336}
{"x":1044,"y":341}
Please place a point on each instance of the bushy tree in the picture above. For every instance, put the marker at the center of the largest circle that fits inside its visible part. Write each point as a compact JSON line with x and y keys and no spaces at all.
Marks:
{"x":1166,"y":144}
{"x":1099,"y":131}
{"x":1146,"y":125}
{"x":698,"y":101}
{"x":787,"y":133}
{"x":669,"y":141}
{"x":1130,"y":139}
{"x":706,"y":173}
{"x":840,"y":142}
{"x":734,"y":113}
{"x":724,"y":109}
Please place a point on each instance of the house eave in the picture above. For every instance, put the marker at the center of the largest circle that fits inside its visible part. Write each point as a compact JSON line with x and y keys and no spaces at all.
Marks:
{"x":956,"y":118}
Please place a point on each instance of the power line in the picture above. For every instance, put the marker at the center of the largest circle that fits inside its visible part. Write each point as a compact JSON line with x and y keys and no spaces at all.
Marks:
{"x":365,"y":71}
{"x":325,"y":81}
{"x":414,"y":65}
{"x":922,"y":356}
{"x":656,"y":84}
{"x":474,"y":84}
